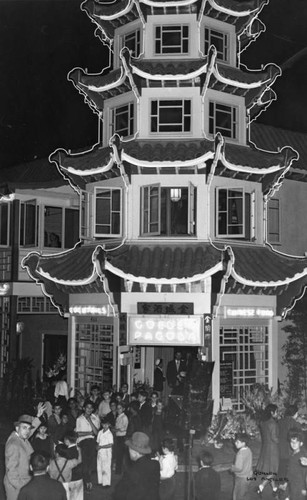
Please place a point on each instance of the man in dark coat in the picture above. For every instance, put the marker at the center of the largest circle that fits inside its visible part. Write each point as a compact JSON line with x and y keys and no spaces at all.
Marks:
{"x":141,"y":478}
{"x":175,"y":373}
{"x":145,"y":412}
{"x":41,"y":485}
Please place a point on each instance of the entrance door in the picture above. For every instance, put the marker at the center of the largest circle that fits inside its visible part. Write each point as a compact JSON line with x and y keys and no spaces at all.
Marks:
{"x":53,"y":346}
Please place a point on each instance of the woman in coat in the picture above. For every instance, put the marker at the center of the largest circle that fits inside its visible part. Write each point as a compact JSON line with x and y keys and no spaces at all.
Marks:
{"x":268,"y":461}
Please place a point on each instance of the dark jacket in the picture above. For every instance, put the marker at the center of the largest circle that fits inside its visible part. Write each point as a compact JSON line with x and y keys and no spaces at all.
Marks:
{"x":207,"y":484}
{"x":140,"y":481}
{"x":172,"y":373}
{"x":42,"y":487}
{"x":158,"y":379}
{"x":269,"y":455}
{"x":145,"y":413}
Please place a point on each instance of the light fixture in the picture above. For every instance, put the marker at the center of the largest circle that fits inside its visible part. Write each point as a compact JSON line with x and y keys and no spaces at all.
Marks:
{"x":175,"y":194}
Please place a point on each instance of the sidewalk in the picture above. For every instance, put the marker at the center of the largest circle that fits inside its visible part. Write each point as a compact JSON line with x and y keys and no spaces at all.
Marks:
{"x":223,"y":458}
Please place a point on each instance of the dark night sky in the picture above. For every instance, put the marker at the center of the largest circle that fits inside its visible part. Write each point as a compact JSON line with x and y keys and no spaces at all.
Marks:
{"x":42,"y":40}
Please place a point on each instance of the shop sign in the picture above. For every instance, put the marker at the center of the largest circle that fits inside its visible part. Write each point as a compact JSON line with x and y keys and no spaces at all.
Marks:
{"x":249,"y":312}
{"x":186,"y":308}
{"x":89,"y":310}
{"x":165,"y":330}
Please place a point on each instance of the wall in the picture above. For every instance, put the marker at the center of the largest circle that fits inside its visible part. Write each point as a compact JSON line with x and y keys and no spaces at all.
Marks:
{"x":293,"y":209}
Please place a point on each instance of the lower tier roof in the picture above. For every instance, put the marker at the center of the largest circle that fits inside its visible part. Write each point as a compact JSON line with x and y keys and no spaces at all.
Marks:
{"x":97,"y":268}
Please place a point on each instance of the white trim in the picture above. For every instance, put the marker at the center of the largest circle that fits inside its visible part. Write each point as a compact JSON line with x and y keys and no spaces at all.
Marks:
{"x":163,"y":281}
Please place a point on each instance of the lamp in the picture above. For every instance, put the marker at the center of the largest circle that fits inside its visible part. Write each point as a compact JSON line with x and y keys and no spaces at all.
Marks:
{"x":175,"y":194}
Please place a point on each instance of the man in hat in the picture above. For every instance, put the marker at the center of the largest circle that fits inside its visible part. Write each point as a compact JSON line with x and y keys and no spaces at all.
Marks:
{"x":17,"y":453}
{"x":141,"y":478}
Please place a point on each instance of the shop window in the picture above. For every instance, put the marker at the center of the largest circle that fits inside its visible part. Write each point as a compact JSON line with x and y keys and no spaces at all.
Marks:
{"x":122,"y":120}
{"x":273,"y":217}
{"x":172,"y":39}
{"x":61,"y":227}
{"x":224,"y":119}
{"x":4,"y":224}
{"x":171,"y":115}
{"x":234,"y":214}
{"x":132,"y":41}
{"x":108,"y":207}
{"x":247,"y":349}
{"x":28,"y":235}
{"x":168,"y":211}
{"x":94,"y":354}
{"x":220,"y":41}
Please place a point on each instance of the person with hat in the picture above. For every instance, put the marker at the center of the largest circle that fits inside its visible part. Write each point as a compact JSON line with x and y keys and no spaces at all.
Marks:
{"x":141,"y":478}
{"x":18,"y":451}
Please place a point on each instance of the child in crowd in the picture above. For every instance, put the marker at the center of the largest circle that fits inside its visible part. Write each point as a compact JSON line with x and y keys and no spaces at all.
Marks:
{"x":73,"y":452}
{"x":95,"y":397}
{"x":207,"y":482}
{"x":41,"y":441}
{"x":134,"y":420}
{"x":61,"y":429}
{"x":125,"y":395}
{"x":242,"y":468}
{"x":60,"y":468}
{"x":104,"y":405}
{"x":168,"y":466}
{"x":104,"y":455}
{"x":112,"y":416}
{"x":54,"y":422}
{"x":73,"y":412}
{"x":157,"y":427}
{"x":121,"y":425}
{"x":296,"y":473}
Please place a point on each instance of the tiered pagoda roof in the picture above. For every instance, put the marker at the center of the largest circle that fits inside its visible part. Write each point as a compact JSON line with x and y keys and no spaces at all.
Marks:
{"x":250,"y":268}
{"x":206,"y":72}
{"x":242,"y":15}
{"x":173,"y":157}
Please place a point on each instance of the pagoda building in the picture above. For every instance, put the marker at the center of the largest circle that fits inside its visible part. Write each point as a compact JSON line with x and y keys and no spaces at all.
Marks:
{"x":173,"y":203}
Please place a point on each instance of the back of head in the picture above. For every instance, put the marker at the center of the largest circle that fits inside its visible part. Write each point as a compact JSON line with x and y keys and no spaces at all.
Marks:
{"x":291,"y":411}
{"x":205,"y":458}
{"x":39,"y":462}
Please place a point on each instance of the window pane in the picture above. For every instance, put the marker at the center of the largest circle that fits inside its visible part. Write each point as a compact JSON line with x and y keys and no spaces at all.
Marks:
{"x":71,"y":234}
{"x":4,"y":223}
{"x":53,"y":226}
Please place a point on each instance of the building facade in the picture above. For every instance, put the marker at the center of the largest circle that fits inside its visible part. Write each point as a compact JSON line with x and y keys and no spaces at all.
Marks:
{"x":174,"y":203}
{"x":39,"y":212}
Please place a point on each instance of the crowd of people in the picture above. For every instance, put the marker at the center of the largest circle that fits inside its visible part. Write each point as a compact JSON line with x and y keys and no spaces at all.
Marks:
{"x":111,"y":433}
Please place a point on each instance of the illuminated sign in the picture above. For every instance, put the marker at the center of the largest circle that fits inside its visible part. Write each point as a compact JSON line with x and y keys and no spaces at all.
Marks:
{"x":249,"y":312}
{"x":4,"y":288}
{"x":89,"y":310}
{"x":165,"y":330}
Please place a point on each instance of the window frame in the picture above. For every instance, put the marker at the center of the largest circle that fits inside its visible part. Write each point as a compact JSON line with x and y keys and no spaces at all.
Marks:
{"x":278,"y":220}
{"x":130,"y":119}
{"x":158,"y":39}
{"x":245,"y":224}
{"x":4,"y":236}
{"x":120,"y":211}
{"x":212,"y":119}
{"x":225,"y":57}
{"x":191,"y":211}
{"x":160,"y":108}
{"x":137,"y":42}
{"x":24,"y":227}
{"x":63,"y":236}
